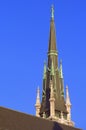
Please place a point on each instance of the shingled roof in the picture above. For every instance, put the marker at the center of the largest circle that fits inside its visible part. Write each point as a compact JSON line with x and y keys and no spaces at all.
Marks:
{"x":13,"y":120}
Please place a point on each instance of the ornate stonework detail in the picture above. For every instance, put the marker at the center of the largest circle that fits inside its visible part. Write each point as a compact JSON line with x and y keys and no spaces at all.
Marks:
{"x":44,"y":115}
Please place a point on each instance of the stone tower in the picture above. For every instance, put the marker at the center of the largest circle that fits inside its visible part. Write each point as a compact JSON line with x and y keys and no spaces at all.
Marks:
{"x":53,"y":105}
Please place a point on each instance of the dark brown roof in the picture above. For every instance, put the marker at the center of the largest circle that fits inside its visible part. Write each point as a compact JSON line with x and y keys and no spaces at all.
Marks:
{"x":13,"y":120}
{"x":52,"y":38}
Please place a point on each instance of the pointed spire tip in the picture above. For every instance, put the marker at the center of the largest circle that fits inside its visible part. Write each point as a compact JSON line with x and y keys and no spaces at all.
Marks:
{"x":52,"y":12}
{"x":66,"y":86}
{"x":67,"y":97}
{"x":61,"y":61}
{"x":38,"y":93}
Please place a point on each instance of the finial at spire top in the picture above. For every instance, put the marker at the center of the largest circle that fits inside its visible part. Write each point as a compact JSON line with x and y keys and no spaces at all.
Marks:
{"x":52,"y":12}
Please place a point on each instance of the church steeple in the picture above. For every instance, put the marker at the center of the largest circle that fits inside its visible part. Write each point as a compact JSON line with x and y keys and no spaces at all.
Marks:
{"x":52,"y":73}
{"x":53,"y":106}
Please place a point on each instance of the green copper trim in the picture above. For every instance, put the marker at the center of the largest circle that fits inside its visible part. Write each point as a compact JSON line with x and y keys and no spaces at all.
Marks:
{"x":52,"y":52}
{"x":49,"y":69}
{"x":52,"y":12}
{"x":52,"y":72}
{"x":62,"y":93}
{"x":43,"y":94}
{"x":60,"y":71}
{"x":55,"y":83}
{"x":45,"y":70}
{"x":54,"y":69}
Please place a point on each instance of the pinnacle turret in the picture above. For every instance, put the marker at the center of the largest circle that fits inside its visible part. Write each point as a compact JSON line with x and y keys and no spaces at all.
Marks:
{"x":45,"y":69}
{"x":67,"y":97}
{"x":61,"y":71}
{"x":38,"y":104}
{"x":61,"y":79}
{"x":68,"y":105}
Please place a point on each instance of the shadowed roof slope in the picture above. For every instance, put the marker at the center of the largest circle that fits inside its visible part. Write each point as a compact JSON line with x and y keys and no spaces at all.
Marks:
{"x":13,"y":120}
{"x":52,"y":38}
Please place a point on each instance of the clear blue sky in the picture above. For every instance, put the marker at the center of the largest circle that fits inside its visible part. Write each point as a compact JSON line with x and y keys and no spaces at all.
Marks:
{"x":24,"y":35}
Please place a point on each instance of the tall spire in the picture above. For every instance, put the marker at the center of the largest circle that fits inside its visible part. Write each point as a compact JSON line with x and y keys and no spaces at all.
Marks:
{"x":53,"y":101}
{"x":52,"y":74}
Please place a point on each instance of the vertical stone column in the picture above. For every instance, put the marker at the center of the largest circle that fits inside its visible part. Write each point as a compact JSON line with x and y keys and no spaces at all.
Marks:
{"x":52,"y":101}
{"x":38,"y":104}
{"x":62,"y":118}
{"x":68,"y":105}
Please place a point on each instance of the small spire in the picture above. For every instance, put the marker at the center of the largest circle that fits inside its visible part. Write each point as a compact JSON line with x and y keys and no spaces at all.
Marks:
{"x":61,"y":71}
{"x":38,"y":104}
{"x":68,"y":105}
{"x":38,"y":95}
{"x":52,"y":12}
{"x":52,"y":69}
{"x":44,"y":74}
{"x":67,"y":97}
